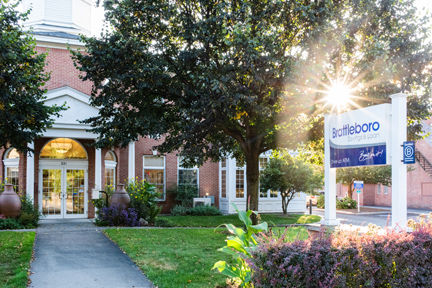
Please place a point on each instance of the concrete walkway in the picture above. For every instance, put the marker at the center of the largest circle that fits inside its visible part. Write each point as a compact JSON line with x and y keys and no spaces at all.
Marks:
{"x":75,"y":253}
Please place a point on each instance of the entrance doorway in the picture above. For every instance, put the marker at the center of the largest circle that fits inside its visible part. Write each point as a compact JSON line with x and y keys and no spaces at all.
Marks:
{"x":63,"y":192}
{"x":63,"y":179}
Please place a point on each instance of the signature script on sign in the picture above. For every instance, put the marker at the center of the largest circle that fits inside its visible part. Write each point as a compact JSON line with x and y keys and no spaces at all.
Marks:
{"x":369,"y":155}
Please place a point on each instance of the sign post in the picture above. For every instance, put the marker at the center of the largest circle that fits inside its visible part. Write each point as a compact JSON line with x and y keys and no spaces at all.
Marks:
{"x":358,"y":185}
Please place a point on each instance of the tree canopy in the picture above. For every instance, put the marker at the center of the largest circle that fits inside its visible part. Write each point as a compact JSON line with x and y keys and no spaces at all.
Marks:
{"x":289,"y":176}
{"x":239,"y":78}
{"x":23,"y":114}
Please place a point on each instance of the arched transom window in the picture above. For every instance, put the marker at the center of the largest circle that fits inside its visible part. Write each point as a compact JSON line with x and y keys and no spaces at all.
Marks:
{"x":63,"y":148}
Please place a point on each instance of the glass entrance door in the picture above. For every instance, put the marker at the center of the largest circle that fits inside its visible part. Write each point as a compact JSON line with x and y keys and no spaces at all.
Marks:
{"x":63,"y":193}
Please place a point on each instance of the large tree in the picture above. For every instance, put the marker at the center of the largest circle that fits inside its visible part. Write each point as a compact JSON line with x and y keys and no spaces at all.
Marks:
{"x":239,"y":78}
{"x":23,"y":114}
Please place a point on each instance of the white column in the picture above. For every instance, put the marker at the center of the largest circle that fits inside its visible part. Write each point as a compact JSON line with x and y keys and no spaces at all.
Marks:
{"x":131,"y":161}
{"x":30,"y":182}
{"x":399,"y":173}
{"x":231,"y":183}
{"x":98,"y":169}
{"x":330,"y":180}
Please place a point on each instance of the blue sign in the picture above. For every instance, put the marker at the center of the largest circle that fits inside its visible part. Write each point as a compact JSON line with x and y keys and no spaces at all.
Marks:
{"x":357,"y":156}
{"x":358,"y":185}
{"x":409,"y":152}
{"x":358,"y":191}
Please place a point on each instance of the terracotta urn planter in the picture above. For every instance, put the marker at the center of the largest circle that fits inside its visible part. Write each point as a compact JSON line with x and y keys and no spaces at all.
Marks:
{"x":10,"y":202}
{"x":121,"y":196}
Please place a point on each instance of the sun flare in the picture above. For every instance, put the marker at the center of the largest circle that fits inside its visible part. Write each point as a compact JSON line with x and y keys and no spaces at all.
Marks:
{"x":339,"y":95}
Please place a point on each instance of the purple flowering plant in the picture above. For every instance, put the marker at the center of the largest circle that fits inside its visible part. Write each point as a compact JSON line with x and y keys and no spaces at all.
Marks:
{"x":117,"y":215}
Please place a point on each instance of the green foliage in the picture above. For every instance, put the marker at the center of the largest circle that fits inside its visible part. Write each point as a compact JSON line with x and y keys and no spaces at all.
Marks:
{"x":240,"y":247}
{"x":10,"y":224}
{"x":179,"y":210}
{"x":23,"y":113}
{"x":205,"y":211}
{"x":30,"y":213}
{"x":163,"y":222}
{"x":321,"y":201}
{"x":233,"y":83}
{"x":369,"y":175}
{"x":346,"y":203}
{"x":289,"y":176}
{"x":184,"y":194}
{"x":144,"y":199}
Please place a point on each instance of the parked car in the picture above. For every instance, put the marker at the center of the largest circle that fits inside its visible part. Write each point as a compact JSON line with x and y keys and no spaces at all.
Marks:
{"x":313,"y":198}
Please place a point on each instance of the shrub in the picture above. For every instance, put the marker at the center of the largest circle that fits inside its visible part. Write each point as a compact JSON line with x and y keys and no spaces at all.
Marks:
{"x":144,"y":199}
{"x":204,"y":211}
{"x":345,"y":260}
{"x":179,"y":210}
{"x":346,"y":203}
{"x":30,"y":214}
{"x":184,"y":194}
{"x":117,"y":215}
{"x":163,"y":222}
{"x":240,"y":246}
{"x":321,"y":201}
{"x":10,"y":224}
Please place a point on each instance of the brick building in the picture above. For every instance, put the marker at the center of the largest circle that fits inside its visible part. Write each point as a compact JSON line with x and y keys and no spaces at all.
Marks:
{"x":64,"y":169}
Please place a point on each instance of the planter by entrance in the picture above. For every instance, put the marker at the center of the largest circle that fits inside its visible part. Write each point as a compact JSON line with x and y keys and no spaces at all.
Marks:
{"x":10,"y":202}
{"x":121,"y":196}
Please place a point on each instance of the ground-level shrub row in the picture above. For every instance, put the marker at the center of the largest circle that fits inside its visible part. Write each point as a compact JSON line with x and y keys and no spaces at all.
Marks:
{"x":346,"y":260}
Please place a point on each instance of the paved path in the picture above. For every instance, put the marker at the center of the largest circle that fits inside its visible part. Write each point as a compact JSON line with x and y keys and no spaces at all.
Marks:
{"x":75,"y":253}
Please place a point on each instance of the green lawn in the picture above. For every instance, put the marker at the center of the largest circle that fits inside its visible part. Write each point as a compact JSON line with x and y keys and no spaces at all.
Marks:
{"x":179,"y":257}
{"x":15,"y":255}
{"x":214,"y":221}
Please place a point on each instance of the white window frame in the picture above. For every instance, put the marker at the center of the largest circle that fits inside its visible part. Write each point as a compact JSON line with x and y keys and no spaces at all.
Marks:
{"x":226,"y":179}
{"x":269,"y":192}
{"x":182,"y":168}
{"x":244,"y":181}
{"x":111,"y":165}
{"x":157,"y":168}
{"x":11,"y":163}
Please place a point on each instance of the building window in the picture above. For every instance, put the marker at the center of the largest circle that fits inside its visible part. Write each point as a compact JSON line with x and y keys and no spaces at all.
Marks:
{"x":110,"y":169}
{"x":379,"y":189}
{"x":240,"y":183}
{"x":154,"y":173}
{"x":385,"y":189}
{"x":11,"y":162}
{"x":223,"y":183}
{"x":63,"y":148}
{"x":265,"y":193}
{"x":187,"y":176}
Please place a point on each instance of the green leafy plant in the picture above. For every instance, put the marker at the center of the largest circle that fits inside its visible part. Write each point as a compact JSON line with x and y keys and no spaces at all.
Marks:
{"x":240,"y":247}
{"x":321,"y":202}
{"x":30,"y":214}
{"x":144,"y":199}
{"x":205,"y":211}
{"x":346,"y":203}
{"x":179,"y":210}
{"x":184,"y":194}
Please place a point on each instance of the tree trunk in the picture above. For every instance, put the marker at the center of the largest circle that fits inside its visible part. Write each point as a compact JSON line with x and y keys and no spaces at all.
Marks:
{"x":350,"y":190}
{"x":252,"y":182}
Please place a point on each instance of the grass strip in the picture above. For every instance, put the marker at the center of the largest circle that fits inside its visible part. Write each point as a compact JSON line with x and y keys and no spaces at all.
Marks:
{"x":173,"y":258}
{"x":214,"y":221}
{"x":15,"y":256}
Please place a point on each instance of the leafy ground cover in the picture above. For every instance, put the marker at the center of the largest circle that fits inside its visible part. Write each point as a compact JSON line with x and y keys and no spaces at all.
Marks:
{"x":180,"y":257}
{"x":214,"y":221}
{"x":15,"y":255}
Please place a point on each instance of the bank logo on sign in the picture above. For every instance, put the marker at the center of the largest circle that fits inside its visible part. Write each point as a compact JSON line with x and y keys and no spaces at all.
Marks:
{"x":409,"y":152}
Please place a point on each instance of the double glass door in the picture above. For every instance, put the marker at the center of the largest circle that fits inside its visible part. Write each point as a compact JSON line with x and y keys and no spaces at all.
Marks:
{"x":63,"y":192}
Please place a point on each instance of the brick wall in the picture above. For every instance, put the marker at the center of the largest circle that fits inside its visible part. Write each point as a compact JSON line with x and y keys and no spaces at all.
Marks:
{"x":63,"y":72}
